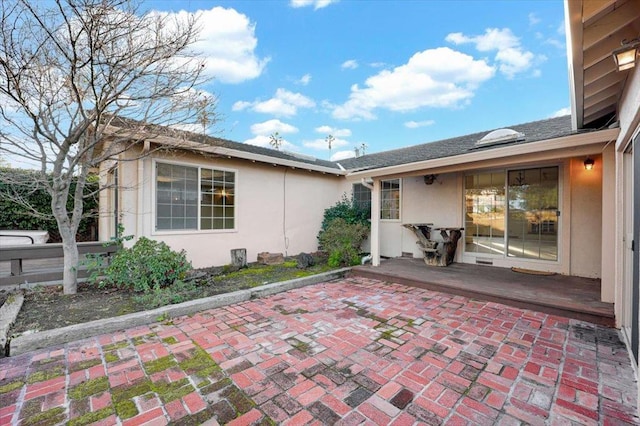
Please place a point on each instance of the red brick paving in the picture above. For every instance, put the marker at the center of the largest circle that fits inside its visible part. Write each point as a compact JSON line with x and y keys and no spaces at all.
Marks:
{"x":354,"y":351}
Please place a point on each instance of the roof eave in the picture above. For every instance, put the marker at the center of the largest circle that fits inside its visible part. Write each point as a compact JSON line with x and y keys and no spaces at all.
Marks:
{"x":186,"y":144}
{"x":571,"y":141}
{"x":574,"y":34}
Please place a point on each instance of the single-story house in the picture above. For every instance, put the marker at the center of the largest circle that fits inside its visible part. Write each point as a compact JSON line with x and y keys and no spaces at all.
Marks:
{"x":558,"y":195}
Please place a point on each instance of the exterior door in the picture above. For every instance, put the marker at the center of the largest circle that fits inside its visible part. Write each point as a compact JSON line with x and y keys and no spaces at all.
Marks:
{"x":532,"y":227}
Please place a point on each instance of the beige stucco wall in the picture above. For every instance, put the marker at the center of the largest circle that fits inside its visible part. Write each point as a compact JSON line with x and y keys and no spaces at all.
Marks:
{"x":278,"y":209}
{"x":586,"y":218}
{"x":581,"y":224}
{"x":439,"y":203}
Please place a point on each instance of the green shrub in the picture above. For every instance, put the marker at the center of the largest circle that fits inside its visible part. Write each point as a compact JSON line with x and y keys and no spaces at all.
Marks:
{"x":342,"y":241}
{"x":148,"y":265}
{"x":347,"y":210}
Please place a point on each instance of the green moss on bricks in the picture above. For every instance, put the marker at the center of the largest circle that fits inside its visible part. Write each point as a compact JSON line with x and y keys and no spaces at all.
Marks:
{"x":238,"y":399}
{"x":111,"y":357}
{"x":290,"y":264}
{"x":46,"y":361}
{"x":126,"y":409}
{"x":171,"y":391}
{"x":284,"y":311}
{"x":200,"y":363}
{"x":170,"y":340}
{"x":160,"y":364}
{"x":299,"y":345}
{"x":203,"y":383}
{"x":115,"y":346}
{"x":49,"y":417}
{"x":88,"y":388}
{"x":214,"y":387}
{"x":43,"y":375}
{"x":267,"y":421}
{"x":91,"y":417}
{"x":120,"y":393}
{"x":11,"y":386}
{"x":83,"y":365}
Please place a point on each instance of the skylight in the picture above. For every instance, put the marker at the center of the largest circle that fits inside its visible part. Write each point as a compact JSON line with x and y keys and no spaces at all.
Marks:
{"x":501,"y":136}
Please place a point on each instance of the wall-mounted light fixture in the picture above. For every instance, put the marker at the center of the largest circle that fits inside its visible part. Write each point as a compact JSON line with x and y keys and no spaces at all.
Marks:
{"x":429,"y":179}
{"x":588,"y":163}
{"x":626,"y":56}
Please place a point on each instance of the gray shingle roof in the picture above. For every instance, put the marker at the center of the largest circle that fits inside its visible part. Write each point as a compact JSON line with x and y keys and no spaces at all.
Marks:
{"x":534,"y":131}
{"x":238,"y":146}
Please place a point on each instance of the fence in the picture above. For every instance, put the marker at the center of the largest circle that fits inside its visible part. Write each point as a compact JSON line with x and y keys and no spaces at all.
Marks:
{"x":40,"y":263}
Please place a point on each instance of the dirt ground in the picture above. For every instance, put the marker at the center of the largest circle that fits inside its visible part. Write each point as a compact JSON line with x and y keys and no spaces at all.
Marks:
{"x":47,"y":308}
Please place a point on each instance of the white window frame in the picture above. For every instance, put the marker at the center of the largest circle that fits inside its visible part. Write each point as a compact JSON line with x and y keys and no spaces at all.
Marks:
{"x":199,"y":167}
{"x":399,"y":219}
{"x":563,"y":209}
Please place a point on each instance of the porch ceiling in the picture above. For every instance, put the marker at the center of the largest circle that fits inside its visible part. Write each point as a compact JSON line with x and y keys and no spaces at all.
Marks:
{"x":595,"y":29}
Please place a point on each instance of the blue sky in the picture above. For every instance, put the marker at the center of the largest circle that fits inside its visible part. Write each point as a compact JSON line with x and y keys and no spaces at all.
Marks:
{"x":387,"y":74}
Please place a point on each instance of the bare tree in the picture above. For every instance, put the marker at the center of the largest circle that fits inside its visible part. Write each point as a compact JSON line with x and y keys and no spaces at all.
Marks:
{"x":72,"y":72}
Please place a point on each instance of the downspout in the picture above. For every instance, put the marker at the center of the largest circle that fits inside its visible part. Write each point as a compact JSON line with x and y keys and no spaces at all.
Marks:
{"x":367,"y":184}
{"x":116,"y":195}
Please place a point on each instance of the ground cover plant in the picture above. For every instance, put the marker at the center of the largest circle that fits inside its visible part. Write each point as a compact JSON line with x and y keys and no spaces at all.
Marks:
{"x":47,"y":308}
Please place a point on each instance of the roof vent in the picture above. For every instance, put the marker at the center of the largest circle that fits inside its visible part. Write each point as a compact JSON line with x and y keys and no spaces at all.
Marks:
{"x":500,"y":136}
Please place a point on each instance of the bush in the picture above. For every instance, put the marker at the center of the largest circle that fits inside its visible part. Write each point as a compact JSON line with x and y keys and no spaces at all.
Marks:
{"x":342,"y":241}
{"x":148,"y":265}
{"x":347,"y":210}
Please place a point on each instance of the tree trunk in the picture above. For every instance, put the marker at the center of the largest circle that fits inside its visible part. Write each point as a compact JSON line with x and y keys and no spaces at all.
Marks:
{"x":71,"y":261}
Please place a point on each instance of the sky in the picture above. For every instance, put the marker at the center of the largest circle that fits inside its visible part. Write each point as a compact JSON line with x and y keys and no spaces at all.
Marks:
{"x":380,"y":74}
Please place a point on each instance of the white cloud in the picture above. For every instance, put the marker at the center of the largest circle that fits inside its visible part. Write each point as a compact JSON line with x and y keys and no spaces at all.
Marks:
{"x":377,"y":64}
{"x":284,"y":103}
{"x":335,"y":132}
{"x":240,"y":105}
{"x":416,"y":124}
{"x":555,"y":43}
{"x":561,"y":112}
{"x":271,"y":126}
{"x":265,"y":142}
{"x":341,"y":155}
{"x":304,"y":80}
{"x":351,"y":64}
{"x":511,"y":57}
{"x":439,"y":78}
{"x":533,"y":19}
{"x":228,"y":43}
{"x":321,"y":144}
{"x":317,"y":4}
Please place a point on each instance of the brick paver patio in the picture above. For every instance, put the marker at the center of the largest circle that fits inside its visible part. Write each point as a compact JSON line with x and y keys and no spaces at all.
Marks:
{"x":347,"y":352}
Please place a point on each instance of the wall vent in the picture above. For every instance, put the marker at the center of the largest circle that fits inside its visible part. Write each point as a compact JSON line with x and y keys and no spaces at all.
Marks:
{"x":484,"y":262}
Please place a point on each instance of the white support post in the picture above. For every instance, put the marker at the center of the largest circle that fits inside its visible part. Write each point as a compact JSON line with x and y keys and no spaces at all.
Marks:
{"x":375,"y":223}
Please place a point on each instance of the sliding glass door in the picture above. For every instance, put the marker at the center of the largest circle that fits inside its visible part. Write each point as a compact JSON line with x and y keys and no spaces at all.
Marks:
{"x":532,"y":230}
{"x":523,"y":202}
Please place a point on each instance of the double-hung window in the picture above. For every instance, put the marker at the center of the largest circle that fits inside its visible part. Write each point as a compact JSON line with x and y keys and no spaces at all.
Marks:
{"x":194,"y":198}
{"x":390,"y":199}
